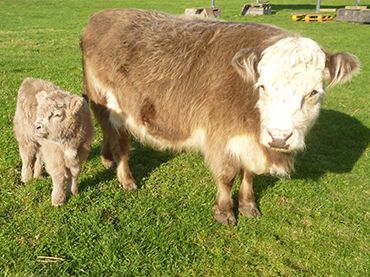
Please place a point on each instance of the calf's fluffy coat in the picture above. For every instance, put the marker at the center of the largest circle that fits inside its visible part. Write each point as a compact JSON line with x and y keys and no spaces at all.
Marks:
{"x":242,"y":94}
{"x":55,"y":128}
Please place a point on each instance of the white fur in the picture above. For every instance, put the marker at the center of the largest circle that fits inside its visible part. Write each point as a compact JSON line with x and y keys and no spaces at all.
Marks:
{"x":248,"y":152}
{"x":115,"y":112}
{"x":289,"y":71}
{"x":70,"y":153}
{"x":195,"y":141}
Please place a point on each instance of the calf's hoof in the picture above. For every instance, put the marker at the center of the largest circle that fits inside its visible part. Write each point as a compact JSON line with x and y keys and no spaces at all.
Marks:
{"x":249,"y":210}
{"x":74,"y":191}
{"x":26,"y":179}
{"x":225,"y":217}
{"x":58,"y":200}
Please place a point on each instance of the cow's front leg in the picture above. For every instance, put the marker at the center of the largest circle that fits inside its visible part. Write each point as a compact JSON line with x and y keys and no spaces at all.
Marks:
{"x":119,"y":143}
{"x":224,"y":175}
{"x":247,"y":203}
{"x":115,"y":145}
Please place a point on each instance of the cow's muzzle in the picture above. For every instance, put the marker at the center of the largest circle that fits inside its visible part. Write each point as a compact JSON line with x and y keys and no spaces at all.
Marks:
{"x":279,"y":141}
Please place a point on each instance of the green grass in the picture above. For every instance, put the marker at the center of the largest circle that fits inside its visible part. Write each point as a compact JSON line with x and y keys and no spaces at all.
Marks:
{"x":317,"y":223}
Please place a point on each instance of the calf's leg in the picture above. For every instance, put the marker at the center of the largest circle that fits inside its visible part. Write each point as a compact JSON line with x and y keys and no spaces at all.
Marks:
{"x":58,"y":194}
{"x":247,"y":203}
{"x":55,"y":166}
{"x":38,"y":165}
{"x":28,"y":151}
{"x":73,"y":174}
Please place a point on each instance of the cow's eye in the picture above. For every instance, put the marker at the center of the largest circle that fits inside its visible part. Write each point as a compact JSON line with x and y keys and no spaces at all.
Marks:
{"x":312,"y":93}
{"x":261,"y":87}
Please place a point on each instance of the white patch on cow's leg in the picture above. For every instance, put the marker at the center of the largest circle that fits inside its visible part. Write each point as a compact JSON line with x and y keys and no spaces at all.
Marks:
{"x":247,"y":203}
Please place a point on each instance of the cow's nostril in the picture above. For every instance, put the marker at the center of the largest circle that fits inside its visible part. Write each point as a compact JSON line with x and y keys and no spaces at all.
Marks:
{"x":288,"y":136}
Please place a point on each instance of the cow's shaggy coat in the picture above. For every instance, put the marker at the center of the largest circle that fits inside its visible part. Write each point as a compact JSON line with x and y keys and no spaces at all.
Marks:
{"x":55,"y":128}
{"x":242,"y":94}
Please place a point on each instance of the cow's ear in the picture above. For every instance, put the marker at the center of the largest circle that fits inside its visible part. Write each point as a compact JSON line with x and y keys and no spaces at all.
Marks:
{"x":76,"y":104}
{"x":245,"y":62}
{"x":41,"y":95}
{"x":340,"y":67}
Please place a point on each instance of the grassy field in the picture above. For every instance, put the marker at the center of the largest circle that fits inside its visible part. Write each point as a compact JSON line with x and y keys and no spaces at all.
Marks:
{"x":316,"y":224}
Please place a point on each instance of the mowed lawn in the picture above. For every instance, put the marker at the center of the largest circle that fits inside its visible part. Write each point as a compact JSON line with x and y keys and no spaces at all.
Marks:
{"x":315,"y":224}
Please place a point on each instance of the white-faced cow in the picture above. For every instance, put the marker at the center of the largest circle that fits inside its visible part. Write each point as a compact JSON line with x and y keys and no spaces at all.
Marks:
{"x":242,"y":94}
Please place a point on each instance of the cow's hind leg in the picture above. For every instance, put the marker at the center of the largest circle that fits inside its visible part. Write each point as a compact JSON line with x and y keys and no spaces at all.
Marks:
{"x":247,"y":203}
{"x":224,"y":173}
{"x":116,"y":145}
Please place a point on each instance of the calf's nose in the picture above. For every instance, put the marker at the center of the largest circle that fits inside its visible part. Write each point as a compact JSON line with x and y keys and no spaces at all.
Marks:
{"x":38,"y":126}
{"x":279,"y":138}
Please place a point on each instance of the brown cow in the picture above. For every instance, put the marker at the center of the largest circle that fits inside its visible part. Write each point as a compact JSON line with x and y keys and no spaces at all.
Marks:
{"x":242,"y":94}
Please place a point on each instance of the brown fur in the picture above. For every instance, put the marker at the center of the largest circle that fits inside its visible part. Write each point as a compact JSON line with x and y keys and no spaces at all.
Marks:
{"x":174,"y":76}
{"x":59,"y":141}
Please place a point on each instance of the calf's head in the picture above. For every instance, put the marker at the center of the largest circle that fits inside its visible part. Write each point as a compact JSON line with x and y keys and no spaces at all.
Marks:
{"x":289,"y":77}
{"x":55,"y":111}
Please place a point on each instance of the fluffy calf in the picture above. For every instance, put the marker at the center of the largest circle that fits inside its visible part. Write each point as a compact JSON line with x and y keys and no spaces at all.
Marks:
{"x":242,"y":94}
{"x":55,"y":128}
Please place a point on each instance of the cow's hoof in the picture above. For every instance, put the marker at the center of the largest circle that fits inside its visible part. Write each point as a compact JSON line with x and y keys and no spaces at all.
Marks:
{"x":224,"y":217}
{"x":107,"y":162}
{"x":249,"y":210}
{"x":129,"y":186}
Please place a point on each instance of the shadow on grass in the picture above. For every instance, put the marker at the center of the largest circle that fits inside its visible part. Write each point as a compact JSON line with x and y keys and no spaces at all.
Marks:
{"x":143,"y":161}
{"x":335,"y":144}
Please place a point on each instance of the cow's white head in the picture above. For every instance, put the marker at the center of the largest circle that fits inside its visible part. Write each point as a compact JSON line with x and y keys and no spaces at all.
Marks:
{"x":289,"y":77}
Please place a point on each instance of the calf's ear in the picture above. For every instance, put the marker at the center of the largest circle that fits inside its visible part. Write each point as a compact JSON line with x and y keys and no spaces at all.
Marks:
{"x":340,"y":67}
{"x":76,"y":104}
{"x":245,"y":62}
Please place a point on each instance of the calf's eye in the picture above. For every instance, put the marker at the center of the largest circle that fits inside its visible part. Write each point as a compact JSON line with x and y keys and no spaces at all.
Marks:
{"x":57,"y":114}
{"x":312,"y":93}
